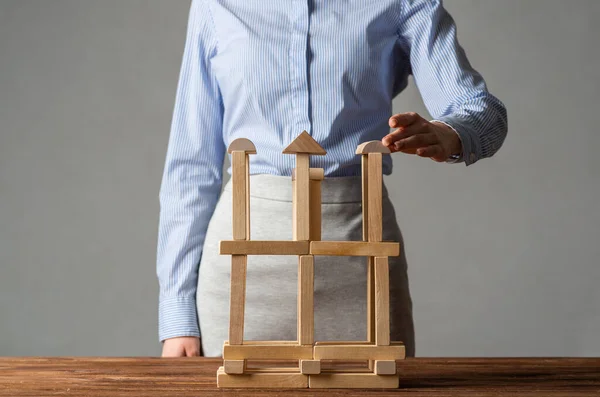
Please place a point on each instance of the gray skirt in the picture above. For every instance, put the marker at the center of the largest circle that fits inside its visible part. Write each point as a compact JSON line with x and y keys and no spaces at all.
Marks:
{"x":271,"y":290}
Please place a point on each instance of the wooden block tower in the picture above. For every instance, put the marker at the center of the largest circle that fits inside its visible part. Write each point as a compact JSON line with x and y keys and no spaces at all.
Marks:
{"x":377,"y":354}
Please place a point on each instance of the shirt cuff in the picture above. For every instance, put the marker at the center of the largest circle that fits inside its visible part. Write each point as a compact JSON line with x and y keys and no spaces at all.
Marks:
{"x":469,"y":153}
{"x":177,"y":316}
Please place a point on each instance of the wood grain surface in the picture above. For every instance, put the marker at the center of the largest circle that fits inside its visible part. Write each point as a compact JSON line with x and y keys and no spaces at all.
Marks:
{"x":148,"y":377}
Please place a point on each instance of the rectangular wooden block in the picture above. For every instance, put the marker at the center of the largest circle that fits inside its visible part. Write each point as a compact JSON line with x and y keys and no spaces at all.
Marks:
{"x":354,"y":248}
{"x":262,"y":380}
{"x":237,"y":299}
{"x":375,"y":184}
{"x":382,"y":301}
{"x":306,"y":277}
{"x":315,"y":211}
{"x":356,"y":352}
{"x":239,"y":174}
{"x":365,"y":196}
{"x":353,"y":381}
{"x":234,"y":366}
{"x":310,"y":367}
{"x":263,"y":247}
{"x":275,"y":351}
{"x":385,"y":367}
{"x":343,"y":342}
{"x":314,"y":174}
{"x":302,"y":197}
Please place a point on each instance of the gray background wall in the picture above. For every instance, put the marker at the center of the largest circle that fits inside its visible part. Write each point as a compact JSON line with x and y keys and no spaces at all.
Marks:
{"x":504,"y":255}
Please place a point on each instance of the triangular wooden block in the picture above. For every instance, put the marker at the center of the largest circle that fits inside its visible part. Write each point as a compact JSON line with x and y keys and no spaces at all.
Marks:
{"x":304,"y":143}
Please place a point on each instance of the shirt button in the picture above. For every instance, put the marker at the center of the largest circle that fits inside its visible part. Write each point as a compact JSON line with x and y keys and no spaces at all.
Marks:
{"x":472,"y":157}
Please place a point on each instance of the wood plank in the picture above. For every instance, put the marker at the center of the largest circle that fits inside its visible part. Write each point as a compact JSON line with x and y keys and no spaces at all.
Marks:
{"x":342,"y":342}
{"x":302,"y":197}
{"x":385,"y":367}
{"x":262,"y":380}
{"x":310,"y":367}
{"x":294,"y":212}
{"x":356,"y":352}
{"x":354,"y":248}
{"x":196,"y":377}
{"x":365,"y":196}
{"x":264,"y":247}
{"x":314,"y":174}
{"x":382,"y":301}
{"x":279,"y":352}
{"x":353,"y":381}
{"x":234,"y":366}
{"x":375,"y":187}
{"x":306,"y":285}
{"x":247,"y":197}
{"x":238,"y":181}
{"x":237,"y":299}
{"x":315,"y":211}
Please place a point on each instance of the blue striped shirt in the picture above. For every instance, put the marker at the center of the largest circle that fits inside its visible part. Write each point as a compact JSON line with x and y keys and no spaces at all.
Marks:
{"x":268,"y":69}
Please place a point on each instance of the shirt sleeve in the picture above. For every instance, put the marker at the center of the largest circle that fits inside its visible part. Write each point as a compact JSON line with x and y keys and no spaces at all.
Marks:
{"x":191,"y":181}
{"x":452,"y":90}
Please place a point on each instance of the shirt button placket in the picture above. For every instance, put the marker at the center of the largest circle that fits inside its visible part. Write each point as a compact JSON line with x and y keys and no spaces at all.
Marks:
{"x":299,"y":67}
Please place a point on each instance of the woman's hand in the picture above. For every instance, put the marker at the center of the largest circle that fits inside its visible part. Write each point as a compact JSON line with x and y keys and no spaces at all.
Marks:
{"x":185,"y":346}
{"x":415,"y":135}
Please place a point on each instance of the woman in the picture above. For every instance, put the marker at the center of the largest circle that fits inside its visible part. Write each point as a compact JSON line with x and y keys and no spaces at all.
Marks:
{"x":266,"y":71}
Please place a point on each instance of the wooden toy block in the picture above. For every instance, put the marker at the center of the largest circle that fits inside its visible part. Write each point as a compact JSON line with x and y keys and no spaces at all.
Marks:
{"x":304,"y":143}
{"x":382,"y":302}
{"x":371,"y":303}
{"x":310,"y":367}
{"x":267,"y":352}
{"x":353,"y":381}
{"x":237,"y":299}
{"x":264,"y":247}
{"x":395,"y":351}
{"x":372,"y":147}
{"x":385,"y":367}
{"x":343,"y":342}
{"x":234,"y":366}
{"x":262,"y":380}
{"x":314,"y":174}
{"x":354,"y":248}
{"x":239,"y":176}
{"x":375,"y":218}
{"x":306,"y":277}
{"x":315,"y":210}
{"x":302,"y":196}
{"x":242,"y":145}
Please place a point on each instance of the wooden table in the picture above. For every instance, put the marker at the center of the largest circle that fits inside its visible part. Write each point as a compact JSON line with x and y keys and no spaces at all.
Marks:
{"x":196,"y":377}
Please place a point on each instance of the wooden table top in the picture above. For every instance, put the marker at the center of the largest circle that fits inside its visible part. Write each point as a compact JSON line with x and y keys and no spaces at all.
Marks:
{"x":34,"y":376}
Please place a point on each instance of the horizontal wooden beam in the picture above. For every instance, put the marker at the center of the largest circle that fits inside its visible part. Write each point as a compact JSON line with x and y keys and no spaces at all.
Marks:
{"x":263,"y":380}
{"x":255,"y":247}
{"x":266,"y":352}
{"x":356,"y":352}
{"x":354,"y":248}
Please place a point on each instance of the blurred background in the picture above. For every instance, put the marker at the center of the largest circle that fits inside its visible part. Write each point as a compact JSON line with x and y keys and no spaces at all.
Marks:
{"x":504,"y":256}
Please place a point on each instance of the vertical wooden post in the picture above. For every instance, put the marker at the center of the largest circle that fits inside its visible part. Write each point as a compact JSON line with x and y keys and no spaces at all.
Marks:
{"x":306,"y":277}
{"x":239,"y":176}
{"x":302,"y":197}
{"x":315,"y":210}
{"x":374,"y":197}
{"x":237,"y":299}
{"x":382,"y":302}
{"x":247,"y":197}
{"x":370,"y":261}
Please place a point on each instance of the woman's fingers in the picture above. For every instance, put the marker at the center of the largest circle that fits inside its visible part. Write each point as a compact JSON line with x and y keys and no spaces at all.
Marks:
{"x":416,"y":141}
{"x":403,"y":119}
{"x":405,"y":132}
